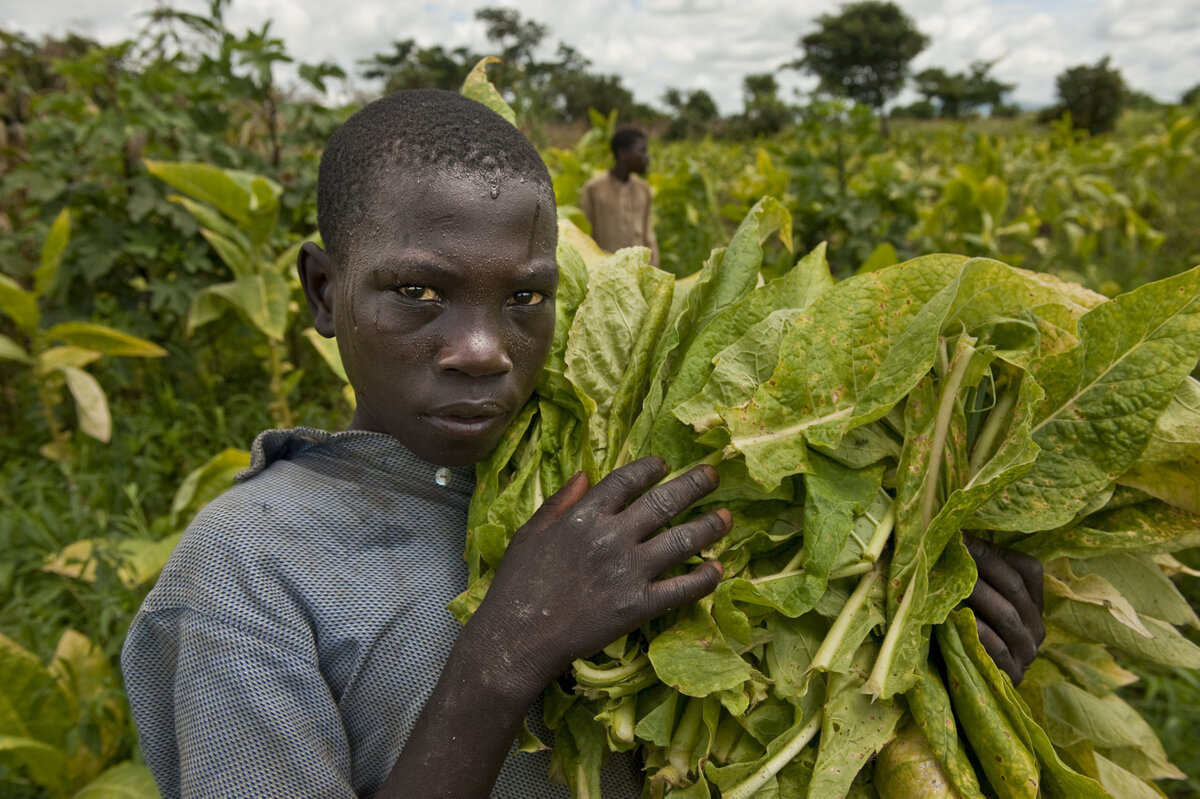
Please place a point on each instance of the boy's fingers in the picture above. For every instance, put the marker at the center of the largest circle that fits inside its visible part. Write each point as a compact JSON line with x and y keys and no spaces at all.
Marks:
{"x":558,"y":503}
{"x":1012,"y":585}
{"x":1031,"y":572}
{"x":995,"y":647}
{"x":622,"y":486}
{"x":677,"y":543}
{"x":659,"y":505}
{"x":678,"y":591}
{"x":1005,"y":622}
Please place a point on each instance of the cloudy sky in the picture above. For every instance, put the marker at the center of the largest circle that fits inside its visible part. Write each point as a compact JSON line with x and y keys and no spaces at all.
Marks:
{"x":709,"y":44}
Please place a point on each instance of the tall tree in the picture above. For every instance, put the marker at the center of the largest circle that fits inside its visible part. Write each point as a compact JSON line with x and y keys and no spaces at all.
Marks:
{"x":1094,"y":95}
{"x":692,"y":113}
{"x":961,"y":94}
{"x":862,"y":52}
{"x":410,"y":66}
{"x":763,"y":112}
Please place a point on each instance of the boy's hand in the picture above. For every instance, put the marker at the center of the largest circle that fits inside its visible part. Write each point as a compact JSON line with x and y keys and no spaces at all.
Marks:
{"x":1007,"y":601}
{"x":584,"y":570}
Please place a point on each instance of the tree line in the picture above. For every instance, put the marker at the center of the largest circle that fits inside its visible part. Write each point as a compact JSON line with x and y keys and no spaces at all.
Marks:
{"x":862,"y":52}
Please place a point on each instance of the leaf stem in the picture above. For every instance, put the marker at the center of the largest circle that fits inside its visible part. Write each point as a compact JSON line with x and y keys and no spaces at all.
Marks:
{"x":883,"y":663}
{"x":989,"y":435}
{"x":757,"y":779}
{"x":597,"y":677}
{"x":686,"y":734}
{"x":958,"y":370}
{"x":883,"y":531}
{"x":841,"y":625}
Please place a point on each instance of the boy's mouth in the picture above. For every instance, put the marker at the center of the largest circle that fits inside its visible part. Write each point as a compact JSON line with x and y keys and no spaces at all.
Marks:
{"x":468,"y":418}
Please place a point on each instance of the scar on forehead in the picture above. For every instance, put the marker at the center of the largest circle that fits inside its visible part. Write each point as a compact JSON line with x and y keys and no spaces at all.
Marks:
{"x":533,"y":229}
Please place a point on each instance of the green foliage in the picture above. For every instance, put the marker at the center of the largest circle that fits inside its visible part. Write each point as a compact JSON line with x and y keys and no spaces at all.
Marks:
{"x":63,"y":721}
{"x":79,"y":344}
{"x":905,"y":406}
{"x":862,"y":52}
{"x":84,"y":537}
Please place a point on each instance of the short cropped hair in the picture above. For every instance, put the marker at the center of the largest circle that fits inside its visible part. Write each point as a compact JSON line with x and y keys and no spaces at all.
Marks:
{"x":625,"y":138}
{"x":420,"y":132}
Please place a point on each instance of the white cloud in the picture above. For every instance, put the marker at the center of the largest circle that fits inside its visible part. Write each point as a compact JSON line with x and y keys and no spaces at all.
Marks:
{"x":711,"y":44}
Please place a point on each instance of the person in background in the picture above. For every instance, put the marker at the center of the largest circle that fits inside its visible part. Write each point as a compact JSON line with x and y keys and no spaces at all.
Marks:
{"x":617,"y":204}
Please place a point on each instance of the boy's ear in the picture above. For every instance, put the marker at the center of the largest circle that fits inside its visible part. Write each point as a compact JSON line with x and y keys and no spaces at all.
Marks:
{"x":317,"y":278}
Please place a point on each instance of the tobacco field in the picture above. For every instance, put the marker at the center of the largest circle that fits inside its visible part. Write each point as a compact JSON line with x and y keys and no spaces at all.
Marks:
{"x":153,"y":198}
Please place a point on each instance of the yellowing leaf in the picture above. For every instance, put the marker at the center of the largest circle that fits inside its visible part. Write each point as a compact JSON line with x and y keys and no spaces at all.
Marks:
{"x":125,"y":780}
{"x":477,"y":87}
{"x":91,"y":406}
{"x":1094,"y":590}
{"x":66,"y":355}
{"x":207,"y":481}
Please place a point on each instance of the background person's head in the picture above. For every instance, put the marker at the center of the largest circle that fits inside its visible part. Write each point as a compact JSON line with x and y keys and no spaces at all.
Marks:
{"x":630,"y":153}
{"x":439,"y":277}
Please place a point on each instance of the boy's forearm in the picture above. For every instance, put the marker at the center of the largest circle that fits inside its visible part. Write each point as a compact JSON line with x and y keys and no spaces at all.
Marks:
{"x":467,"y":727}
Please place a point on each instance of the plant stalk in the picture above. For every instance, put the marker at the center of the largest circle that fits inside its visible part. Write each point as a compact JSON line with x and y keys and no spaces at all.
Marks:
{"x":989,"y":435}
{"x":958,"y":370}
{"x":841,"y":625}
{"x":759,"y":778}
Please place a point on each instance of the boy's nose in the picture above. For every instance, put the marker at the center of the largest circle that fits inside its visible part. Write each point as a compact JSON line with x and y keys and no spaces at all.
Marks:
{"x":477,"y":350}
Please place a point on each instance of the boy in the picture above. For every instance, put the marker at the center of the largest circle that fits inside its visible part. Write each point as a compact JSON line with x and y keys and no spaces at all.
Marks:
{"x":617,"y":203}
{"x":297,"y":643}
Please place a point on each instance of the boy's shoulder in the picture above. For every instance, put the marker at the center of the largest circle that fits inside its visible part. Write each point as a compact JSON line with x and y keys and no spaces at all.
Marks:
{"x":309,"y":502}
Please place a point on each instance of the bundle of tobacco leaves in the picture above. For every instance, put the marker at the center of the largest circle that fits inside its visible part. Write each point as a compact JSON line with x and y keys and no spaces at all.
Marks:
{"x":859,"y":428}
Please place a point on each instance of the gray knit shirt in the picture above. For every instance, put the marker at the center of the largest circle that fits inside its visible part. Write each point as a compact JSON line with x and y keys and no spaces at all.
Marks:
{"x":300,"y":626}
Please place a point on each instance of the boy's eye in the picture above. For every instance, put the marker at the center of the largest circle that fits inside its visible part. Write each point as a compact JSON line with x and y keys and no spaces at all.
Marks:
{"x":423,"y":293}
{"x":528,"y":298}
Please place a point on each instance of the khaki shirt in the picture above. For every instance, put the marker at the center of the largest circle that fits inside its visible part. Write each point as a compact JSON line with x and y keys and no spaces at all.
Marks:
{"x":619,"y":213}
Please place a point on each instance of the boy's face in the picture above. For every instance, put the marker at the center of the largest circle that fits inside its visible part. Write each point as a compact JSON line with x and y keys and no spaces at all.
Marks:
{"x":444,"y":311}
{"x":636,"y":157}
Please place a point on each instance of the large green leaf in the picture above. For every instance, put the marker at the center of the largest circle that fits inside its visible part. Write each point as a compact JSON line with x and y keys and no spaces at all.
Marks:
{"x":262,"y":300}
{"x":859,"y":348}
{"x":610,"y":344}
{"x":1169,"y":469}
{"x":104,"y":339}
{"x":572,"y":287}
{"x":91,"y":405}
{"x":683,"y":355}
{"x":1110,"y":725}
{"x":693,"y":656}
{"x":480,"y":89}
{"x":251,"y":201}
{"x":1102,"y":401}
{"x":52,"y":252}
{"x":1164,"y":644}
{"x":19,"y":304}
{"x":854,"y":727}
